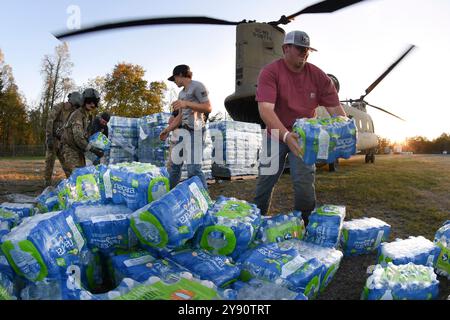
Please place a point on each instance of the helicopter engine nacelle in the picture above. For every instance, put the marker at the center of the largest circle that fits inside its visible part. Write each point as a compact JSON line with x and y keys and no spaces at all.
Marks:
{"x":257,"y":44}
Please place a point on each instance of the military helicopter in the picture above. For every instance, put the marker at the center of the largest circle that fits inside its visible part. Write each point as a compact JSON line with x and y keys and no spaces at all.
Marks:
{"x":367,"y":140}
{"x":257,"y":44}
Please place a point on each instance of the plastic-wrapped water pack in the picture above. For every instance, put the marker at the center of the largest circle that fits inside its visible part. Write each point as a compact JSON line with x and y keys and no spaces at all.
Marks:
{"x":281,"y":227}
{"x":325,"y":225}
{"x":173,"y":219}
{"x":8,"y":220}
{"x":442,"y":240}
{"x":330,"y":257}
{"x":106,"y":227}
{"x":12,"y":214}
{"x":207,"y":266}
{"x":6,"y":288}
{"x":230,"y":227}
{"x":7,"y":280}
{"x":82,"y":187}
{"x":5,"y":267}
{"x":99,"y":141}
{"x":400,"y":282}
{"x":282,"y":263}
{"x":43,"y":246}
{"x":360,"y":236}
{"x":124,"y":135}
{"x":326,"y":139}
{"x":417,"y":250}
{"x":23,"y":210}
{"x":150,"y":148}
{"x":47,"y":201}
{"x":183,"y":286}
{"x":257,"y":289}
{"x":70,"y":286}
{"x":242,"y":142}
{"x":134,"y":184}
{"x":140,"y":266}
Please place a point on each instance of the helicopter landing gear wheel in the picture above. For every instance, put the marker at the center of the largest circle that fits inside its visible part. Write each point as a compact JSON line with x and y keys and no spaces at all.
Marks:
{"x":332,"y":167}
{"x":370,"y":157}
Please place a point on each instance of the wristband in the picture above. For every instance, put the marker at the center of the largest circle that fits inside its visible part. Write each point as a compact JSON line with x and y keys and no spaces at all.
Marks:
{"x":285,"y":136}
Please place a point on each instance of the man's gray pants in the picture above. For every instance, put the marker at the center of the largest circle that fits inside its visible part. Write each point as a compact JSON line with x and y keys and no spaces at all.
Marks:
{"x":302,"y":175}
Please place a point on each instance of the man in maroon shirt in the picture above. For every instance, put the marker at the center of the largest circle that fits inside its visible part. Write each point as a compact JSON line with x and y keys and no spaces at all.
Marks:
{"x":288,"y":89}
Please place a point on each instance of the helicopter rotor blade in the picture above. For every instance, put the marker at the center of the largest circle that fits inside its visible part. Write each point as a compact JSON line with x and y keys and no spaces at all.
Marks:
{"x":388,"y":70}
{"x":326,"y":6}
{"x":145,"y":22}
{"x":383,"y":110}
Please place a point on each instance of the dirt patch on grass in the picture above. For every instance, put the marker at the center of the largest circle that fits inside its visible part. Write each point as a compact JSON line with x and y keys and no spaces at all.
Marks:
{"x":411,"y":193}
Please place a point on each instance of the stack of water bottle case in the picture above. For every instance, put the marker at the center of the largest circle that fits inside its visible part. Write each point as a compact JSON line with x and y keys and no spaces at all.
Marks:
{"x":238,"y":150}
{"x":117,"y":232}
{"x":137,"y":139}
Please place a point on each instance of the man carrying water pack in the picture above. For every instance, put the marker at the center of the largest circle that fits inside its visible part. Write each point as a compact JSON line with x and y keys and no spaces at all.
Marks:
{"x":192,"y":103}
{"x":288,"y":89}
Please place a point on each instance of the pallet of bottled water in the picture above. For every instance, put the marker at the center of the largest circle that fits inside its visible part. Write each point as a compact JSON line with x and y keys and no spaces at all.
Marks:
{"x":418,"y":250}
{"x":442,"y":240}
{"x":360,"y":236}
{"x":242,"y":143}
{"x":325,"y":225}
{"x":401,"y":282}
{"x":326,"y":139}
{"x":124,"y":136}
{"x":150,"y":148}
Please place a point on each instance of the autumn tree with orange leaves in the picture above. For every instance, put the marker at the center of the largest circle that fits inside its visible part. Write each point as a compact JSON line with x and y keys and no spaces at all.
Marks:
{"x":128,"y":94}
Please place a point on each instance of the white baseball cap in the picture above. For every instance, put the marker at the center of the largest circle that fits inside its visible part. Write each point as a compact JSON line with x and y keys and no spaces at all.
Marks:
{"x":298,"y":38}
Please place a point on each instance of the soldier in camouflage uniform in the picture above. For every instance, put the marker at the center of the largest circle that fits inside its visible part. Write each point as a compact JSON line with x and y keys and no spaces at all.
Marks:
{"x":77,"y":131}
{"x":57,"y":117}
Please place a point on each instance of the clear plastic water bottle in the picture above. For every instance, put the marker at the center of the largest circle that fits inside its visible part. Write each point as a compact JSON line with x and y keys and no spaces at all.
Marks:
{"x":217,"y":240}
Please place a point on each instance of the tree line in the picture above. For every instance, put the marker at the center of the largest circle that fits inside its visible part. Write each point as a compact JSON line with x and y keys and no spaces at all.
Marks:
{"x":419,"y":144}
{"x":124,"y":92}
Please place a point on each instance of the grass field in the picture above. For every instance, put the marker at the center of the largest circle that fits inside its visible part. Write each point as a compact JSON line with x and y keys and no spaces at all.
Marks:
{"x":410,"y":192}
